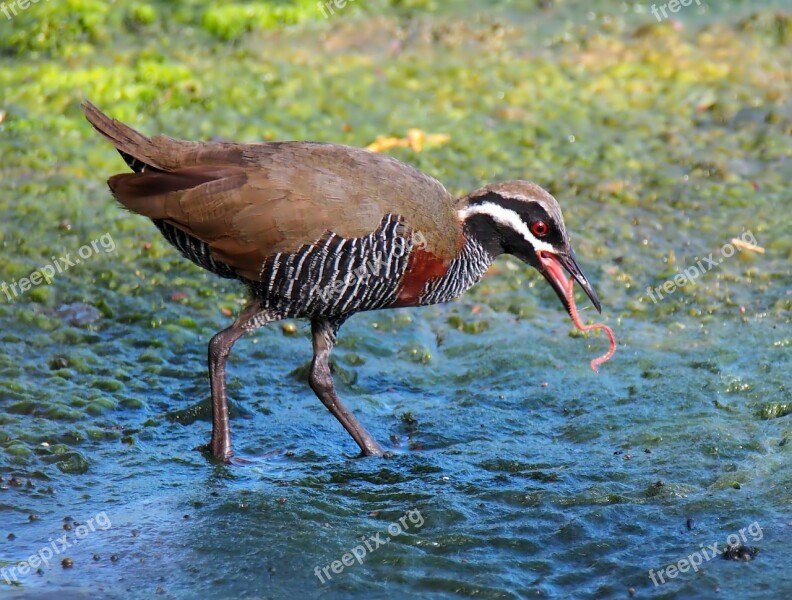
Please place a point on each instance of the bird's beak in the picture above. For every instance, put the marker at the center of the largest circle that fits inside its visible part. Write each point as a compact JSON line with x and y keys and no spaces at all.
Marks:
{"x":551,"y":267}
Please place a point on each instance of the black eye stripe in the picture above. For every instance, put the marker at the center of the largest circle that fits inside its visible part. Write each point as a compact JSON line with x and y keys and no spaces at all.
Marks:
{"x":529,"y":212}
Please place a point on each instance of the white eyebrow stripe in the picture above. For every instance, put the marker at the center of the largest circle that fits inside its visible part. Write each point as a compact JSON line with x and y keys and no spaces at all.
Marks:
{"x":507,"y":218}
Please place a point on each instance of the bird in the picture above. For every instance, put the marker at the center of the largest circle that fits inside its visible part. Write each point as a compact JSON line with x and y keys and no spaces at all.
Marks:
{"x":322,"y":231}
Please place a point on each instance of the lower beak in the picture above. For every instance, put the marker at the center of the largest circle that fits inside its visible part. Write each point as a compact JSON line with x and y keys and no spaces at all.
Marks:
{"x":551,"y":268}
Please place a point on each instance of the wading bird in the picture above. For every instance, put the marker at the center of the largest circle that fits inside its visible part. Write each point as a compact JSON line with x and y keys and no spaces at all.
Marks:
{"x":293,"y":220}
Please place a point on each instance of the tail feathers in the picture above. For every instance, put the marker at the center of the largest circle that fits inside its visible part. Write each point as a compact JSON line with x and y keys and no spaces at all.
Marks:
{"x":137,"y":150}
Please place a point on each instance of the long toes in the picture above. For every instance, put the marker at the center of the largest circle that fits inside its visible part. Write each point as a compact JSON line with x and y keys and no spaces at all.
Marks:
{"x":222,"y":456}
{"x":260,"y":459}
{"x":378,"y":452}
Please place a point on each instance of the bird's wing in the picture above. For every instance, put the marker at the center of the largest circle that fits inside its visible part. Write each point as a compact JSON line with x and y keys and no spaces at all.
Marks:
{"x":250,"y":201}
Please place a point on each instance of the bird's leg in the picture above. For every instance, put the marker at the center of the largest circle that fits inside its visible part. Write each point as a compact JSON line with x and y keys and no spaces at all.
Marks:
{"x":219,"y":348}
{"x":321,"y":380}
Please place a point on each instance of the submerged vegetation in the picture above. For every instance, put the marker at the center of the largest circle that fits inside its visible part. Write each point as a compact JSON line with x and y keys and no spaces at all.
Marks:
{"x":662,"y":142}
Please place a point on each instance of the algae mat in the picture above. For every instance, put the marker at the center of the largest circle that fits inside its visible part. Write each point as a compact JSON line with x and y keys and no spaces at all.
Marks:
{"x":516,"y":471}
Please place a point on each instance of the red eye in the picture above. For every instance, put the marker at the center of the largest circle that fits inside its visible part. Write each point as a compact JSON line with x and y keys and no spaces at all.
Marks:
{"x":539,"y":228}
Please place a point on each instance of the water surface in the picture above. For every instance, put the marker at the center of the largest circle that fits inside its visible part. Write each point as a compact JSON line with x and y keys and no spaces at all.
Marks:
{"x":529,"y":474}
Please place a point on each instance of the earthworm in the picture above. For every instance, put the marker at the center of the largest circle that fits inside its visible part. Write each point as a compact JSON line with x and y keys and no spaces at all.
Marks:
{"x":573,"y":312}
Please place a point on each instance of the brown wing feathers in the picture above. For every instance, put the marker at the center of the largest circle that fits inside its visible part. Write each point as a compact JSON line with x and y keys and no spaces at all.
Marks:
{"x":250,"y":201}
{"x":157,"y":195}
{"x":202,"y":202}
{"x":193,"y":198}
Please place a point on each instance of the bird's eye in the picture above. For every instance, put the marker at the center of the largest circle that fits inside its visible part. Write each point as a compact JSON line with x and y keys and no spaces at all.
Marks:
{"x":539,"y":228}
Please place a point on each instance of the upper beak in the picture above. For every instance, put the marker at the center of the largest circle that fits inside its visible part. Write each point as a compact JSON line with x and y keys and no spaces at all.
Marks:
{"x":551,"y":264}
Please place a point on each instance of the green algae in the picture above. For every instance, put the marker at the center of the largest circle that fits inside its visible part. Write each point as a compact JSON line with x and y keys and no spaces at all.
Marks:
{"x":775,"y":411}
{"x":662,"y":142}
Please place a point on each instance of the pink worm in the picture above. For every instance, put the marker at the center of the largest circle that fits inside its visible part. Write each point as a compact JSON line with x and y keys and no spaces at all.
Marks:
{"x":573,"y":312}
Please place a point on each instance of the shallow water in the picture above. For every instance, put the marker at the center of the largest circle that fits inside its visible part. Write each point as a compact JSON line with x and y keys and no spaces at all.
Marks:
{"x":520,"y":472}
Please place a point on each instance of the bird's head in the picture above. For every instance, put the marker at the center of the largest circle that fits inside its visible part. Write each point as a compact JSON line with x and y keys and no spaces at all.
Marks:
{"x":522,"y":219}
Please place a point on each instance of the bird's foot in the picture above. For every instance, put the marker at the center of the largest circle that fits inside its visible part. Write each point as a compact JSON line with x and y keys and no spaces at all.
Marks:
{"x":234,"y":459}
{"x":383,"y":454}
{"x":398,"y":445}
{"x":267,"y":457}
{"x":217,"y":452}
{"x":372,"y":448}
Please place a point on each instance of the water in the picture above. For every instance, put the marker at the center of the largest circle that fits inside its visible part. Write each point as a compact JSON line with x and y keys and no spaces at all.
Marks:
{"x":515,"y":470}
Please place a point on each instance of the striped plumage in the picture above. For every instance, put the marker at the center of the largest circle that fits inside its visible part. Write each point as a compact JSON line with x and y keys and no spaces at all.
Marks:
{"x":194,"y":249}
{"x":322,"y":231}
{"x":335,"y":276}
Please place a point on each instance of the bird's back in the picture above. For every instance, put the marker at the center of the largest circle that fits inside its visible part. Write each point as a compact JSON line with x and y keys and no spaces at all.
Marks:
{"x":239,"y":209}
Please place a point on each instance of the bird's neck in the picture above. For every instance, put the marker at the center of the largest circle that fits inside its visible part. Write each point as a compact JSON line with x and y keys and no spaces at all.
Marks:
{"x":464,"y":271}
{"x":480,"y":229}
